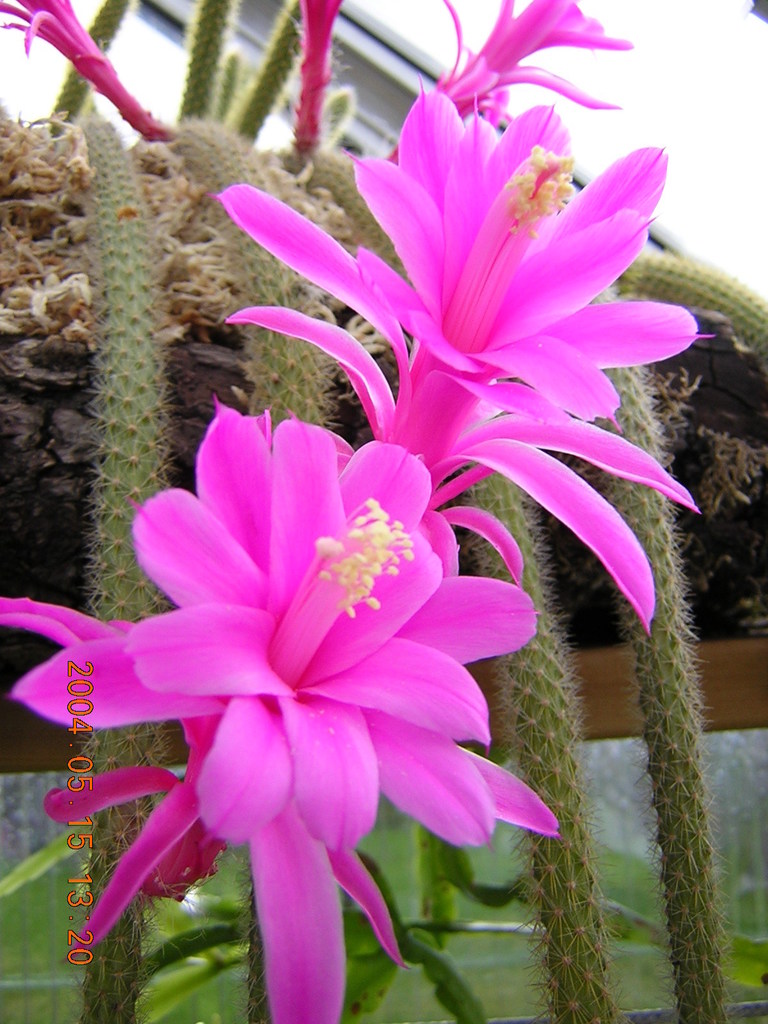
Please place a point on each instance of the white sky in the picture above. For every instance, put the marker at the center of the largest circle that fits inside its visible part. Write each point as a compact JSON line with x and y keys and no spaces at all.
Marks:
{"x":695,"y":84}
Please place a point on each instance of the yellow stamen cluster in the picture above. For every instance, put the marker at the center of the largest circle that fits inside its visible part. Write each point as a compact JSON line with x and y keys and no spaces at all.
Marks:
{"x":544,"y":188}
{"x":372,"y":547}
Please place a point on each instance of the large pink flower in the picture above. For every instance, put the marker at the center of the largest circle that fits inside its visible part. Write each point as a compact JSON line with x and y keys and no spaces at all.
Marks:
{"x":508,"y":355}
{"x":480,"y":81}
{"x":318,"y":651}
{"x":56,"y":22}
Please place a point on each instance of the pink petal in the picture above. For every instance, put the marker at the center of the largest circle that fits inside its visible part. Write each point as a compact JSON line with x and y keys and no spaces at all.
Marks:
{"x":471,"y":617}
{"x":246,"y":777}
{"x":304,"y":247}
{"x":306,"y":504}
{"x":430,"y":778}
{"x":515,"y":802}
{"x":429,"y":138}
{"x":349,"y":640}
{"x":519,"y":399}
{"x":628,"y":333}
{"x":634,"y":182}
{"x":587,"y":441}
{"x":189,"y":553}
{"x":336,"y":779}
{"x":353,"y":877}
{"x":539,"y":126}
{"x":411,"y":218}
{"x":469,"y":194}
{"x":119,"y":698}
{"x":300,"y":920}
{"x":164,"y":827}
{"x":212,"y":649}
{"x":62,"y":625}
{"x":422,"y":685}
{"x":390,"y":475}
{"x":568,"y":497}
{"x":367,"y":379}
{"x":109,"y":789}
{"x":561,"y":373}
{"x":560,"y":279}
{"x":491,"y":529}
{"x":233,"y":477}
{"x":442,"y":540}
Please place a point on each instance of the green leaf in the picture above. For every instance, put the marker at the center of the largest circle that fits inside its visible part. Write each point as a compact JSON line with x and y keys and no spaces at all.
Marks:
{"x":749,"y":960}
{"x":451,"y":989}
{"x":35,"y":865}
{"x":190,"y":943}
{"x":170,"y":988}
{"x":368,"y":980}
{"x":629,"y":925}
{"x":457,"y":867}
{"x":438,"y":894}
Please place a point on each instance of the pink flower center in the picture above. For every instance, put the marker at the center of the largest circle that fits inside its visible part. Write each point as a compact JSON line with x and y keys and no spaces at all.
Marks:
{"x":539,"y":189}
{"x":343,"y":576}
{"x":373,"y":546}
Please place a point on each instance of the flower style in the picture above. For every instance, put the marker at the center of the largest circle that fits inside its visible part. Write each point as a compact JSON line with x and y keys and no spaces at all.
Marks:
{"x":315,"y":658}
{"x":317,"y":17}
{"x":507,"y":356}
{"x":56,"y":22}
{"x":484,"y":78}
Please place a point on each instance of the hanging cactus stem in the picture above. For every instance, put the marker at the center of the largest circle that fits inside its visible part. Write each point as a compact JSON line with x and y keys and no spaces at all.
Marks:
{"x":670,"y":701}
{"x":537,"y":693}
{"x":129,"y":410}
{"x":279,"y":59}
{"x":211,"y":23}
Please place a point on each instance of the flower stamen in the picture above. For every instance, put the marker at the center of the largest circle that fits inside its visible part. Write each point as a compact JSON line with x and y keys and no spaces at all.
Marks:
{"x":373,"y":546}
{"x":543,"y":188}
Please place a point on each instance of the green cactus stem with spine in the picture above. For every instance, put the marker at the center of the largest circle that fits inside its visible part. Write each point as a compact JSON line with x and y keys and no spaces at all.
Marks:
{"x":131,"y":425}
{"x":230,"y":77}
{"x":75,"y":90}
{"x":669,"y":697}
{"x":276,"y":66}
{"x":207,"y":33}
{"x":289,"y":376}
{"x":537,"y":693}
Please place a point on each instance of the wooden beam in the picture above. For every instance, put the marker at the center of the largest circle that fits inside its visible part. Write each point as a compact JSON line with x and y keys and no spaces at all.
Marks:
{"x":735,"y":693}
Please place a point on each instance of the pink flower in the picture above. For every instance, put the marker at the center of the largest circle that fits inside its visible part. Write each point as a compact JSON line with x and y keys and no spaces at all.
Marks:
{"x":484,"y":78}
{"x":507,"y":357}
{"x":55,"y":21}
{"x":174,"y":850}
{"x":318,"y":650}
{"x":317,"y":17}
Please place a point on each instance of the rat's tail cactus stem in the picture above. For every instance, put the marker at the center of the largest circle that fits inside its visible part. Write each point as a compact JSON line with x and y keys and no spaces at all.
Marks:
{"x":670,"y":702}
{"x":538,"y":696}
{"x":207,"y":34}
{"x":129,"y":411}
{"x":276,"y":66}
{"x":289,"y":379}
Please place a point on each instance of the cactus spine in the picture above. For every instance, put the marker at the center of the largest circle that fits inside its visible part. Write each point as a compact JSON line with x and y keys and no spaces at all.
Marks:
{"x":538,"y":693}
{"x":103,"y":30}
{"x":688,"y":282}
{"x":670,"y":701}
{"x":274,"y":71}
{"x":208,"y":30}
{"x":131,"y":427}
